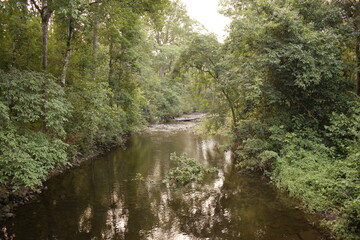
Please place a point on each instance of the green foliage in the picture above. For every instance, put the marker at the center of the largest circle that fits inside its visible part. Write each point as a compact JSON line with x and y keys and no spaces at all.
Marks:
{"x":299,"y":120}
{"x":26,"y":159}
{"x":253,"y":151}
{"x":138,"y":177}
{"x":300,"y":162}
{"x":101,"y":96}
{"x":33,"y":113}
{"x":189,"y":170}
{"x":283,"y":80}
{"x":163,"y":101}
{"x":93,"y":120}
{"x":33,"y":99}
{"x":292,"y":64}
{"x":349,"y":223}
{"x":165,"y":95}
{"x":212,"y":79}
{"x":309,"y":169}
{"x":253,"y":154}
{"x":20,"y":32}
{"x":344,"y":128}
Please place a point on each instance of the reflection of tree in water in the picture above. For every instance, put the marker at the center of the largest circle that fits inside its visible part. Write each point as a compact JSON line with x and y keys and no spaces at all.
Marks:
{"x":199,"y":210}
{"x":117,"y":218}
{"x":236,"y":207}
{"x":122,"y":197}
{"x":193,"y":212}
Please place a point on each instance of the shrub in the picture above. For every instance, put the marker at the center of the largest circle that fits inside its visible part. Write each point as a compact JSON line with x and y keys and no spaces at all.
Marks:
{"x":94,"y":121}
{"x":26,"y":159}
{"x":188,"y":170}
{"x":310,"y":170}
{"x":302,"y":163}
{"x":33,"y":111}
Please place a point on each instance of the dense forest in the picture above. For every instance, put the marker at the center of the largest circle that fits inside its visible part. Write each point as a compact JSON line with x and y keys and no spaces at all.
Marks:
{"x":77,"y":76}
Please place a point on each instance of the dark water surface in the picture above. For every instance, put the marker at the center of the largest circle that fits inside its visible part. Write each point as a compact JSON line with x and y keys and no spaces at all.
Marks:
{"x":101,"y":199}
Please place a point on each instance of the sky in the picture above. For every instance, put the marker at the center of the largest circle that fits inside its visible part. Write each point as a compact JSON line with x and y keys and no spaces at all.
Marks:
{"x":206,"y":12}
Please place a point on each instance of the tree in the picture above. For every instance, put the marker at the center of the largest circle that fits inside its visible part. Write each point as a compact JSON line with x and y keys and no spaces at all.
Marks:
{"x":45,"y":10}
{"x":73,"y":14}
{"x":20,"y":31}
{"x":297,"y":61}
{"x":351,"y":15}
{"x":170,"y":33}
{"x":217,"y":67}
{"x":295,"y":55}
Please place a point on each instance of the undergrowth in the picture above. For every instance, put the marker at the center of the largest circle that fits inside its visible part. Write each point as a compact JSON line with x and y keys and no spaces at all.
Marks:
{"x":319,"y":166}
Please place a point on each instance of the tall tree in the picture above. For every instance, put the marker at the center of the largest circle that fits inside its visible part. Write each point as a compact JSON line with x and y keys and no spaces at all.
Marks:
{"x":73,"y":13}
{"x":44,"y":7}
{"x":19,"y":34}
{"x":212,"y":61}
{"x":68,"y":49}
{"x":95,"y":8}
{"x":170,"y":33}
{"x":351,"y":15}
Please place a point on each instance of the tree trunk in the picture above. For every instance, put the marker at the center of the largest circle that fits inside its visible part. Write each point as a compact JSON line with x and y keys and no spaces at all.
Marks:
{"x":44,"y":27}
{"x":358,"y":65}
{"x":111,"y":47}
{"x":161,"y":72}
{"x":95,"y":45}
{"x":45,"y":18}
{"x":45,"y":13}
{"x":13,"y":60}
{"x":67,"y":53}
{"x":232,"y":108}
{"x":111,"y":69}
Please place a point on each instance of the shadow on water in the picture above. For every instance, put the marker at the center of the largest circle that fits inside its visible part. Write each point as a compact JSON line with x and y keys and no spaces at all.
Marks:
{"x":101,"y":199}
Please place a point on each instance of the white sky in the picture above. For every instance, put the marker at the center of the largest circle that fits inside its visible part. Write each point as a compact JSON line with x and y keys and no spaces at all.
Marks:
{"x":206,"y":12}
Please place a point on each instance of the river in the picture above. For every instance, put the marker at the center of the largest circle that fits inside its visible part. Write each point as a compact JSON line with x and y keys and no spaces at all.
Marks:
{"x":106,"y":198}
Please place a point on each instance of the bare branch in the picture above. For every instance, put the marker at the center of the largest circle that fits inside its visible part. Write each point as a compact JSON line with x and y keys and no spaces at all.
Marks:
{"x":36,"y":6}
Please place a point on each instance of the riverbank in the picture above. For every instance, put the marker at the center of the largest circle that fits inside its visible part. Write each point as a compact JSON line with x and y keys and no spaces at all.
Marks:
{"x":301,"y":163}
{"x":11,"y":198}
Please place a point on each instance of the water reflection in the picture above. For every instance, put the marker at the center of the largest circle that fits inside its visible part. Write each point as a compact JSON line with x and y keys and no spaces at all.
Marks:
{"x":84,"y":221}
{"x":101,"y":200}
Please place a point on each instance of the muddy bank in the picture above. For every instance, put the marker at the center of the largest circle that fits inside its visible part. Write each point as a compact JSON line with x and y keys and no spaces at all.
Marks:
{"x":11,"y":198}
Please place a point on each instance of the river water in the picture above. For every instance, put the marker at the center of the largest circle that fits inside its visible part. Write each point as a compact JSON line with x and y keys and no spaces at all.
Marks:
{"x":104,"y":198}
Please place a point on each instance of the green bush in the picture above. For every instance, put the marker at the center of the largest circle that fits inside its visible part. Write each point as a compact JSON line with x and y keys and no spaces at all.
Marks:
{"x":308,"y":169}
{"x":94,"y":121}
{"x":27,"y":158}
{"x":313,"y":165}
{"x":254,"y":152}
{"x":344,"y":128}
{"x":163,"y":101}
{"x":33,"y":111}
{"x":33,"y":100}
{"x":189,"y":170}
